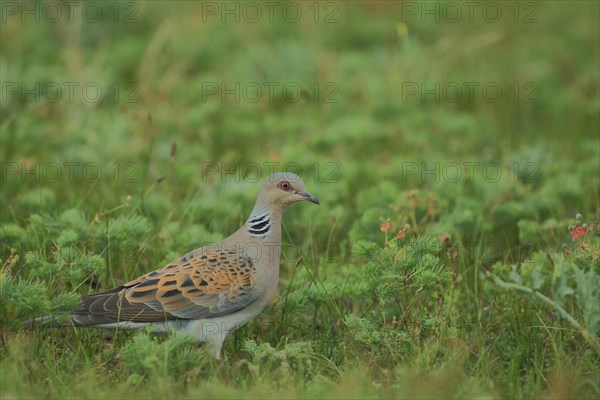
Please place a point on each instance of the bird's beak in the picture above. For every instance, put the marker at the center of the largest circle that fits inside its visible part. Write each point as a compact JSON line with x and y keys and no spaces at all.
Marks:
{"x":309,"y":197}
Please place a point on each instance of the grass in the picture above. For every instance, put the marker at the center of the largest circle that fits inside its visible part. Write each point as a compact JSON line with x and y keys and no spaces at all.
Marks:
{"x":485,"y":295}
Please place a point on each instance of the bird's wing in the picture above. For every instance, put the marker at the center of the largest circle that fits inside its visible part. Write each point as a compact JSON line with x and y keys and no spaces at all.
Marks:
{"x":197,"y":285}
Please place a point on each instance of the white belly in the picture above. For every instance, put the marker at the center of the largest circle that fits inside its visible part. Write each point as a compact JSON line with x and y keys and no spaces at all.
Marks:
{"x":211,"y":331}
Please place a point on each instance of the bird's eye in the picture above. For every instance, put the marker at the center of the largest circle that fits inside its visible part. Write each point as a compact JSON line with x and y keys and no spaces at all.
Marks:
{"x":285,"y":185}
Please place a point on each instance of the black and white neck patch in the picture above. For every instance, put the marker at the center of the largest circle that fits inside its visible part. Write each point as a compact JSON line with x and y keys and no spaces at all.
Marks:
{"x":259,"y":225}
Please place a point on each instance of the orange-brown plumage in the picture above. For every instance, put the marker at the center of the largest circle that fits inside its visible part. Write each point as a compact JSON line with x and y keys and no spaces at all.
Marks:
{"x":191,"y":287}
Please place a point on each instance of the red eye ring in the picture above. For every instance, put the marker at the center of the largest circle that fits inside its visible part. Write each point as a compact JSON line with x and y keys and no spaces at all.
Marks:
{"x":284,"y":185}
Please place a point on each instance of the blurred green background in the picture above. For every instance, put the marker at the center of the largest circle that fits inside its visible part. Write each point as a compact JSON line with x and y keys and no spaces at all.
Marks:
{"x":137,"y":126}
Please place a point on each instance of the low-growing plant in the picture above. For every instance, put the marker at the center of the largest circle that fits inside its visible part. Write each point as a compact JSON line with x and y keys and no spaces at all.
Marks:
{"x":145,"y":356}
{"x":568,"y":282}
{"x":22,"y":300}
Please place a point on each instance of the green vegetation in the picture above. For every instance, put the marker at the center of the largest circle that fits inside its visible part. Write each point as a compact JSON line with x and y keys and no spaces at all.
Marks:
{"x":445,"y":260}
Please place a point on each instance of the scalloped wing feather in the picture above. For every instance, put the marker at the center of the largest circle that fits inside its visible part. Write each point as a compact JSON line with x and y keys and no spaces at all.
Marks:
{"x":197,"y":285}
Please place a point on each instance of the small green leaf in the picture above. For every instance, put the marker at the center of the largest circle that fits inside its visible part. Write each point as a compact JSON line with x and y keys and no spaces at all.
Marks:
{"x":587,"y":298}
{"x":538,"y":278}
{"x":560,"y":288}
{"x":514,"y":275}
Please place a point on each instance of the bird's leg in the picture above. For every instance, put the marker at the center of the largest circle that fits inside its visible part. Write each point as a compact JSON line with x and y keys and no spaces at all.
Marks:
{"x":214,"y":348}
{"x":222,"y":370}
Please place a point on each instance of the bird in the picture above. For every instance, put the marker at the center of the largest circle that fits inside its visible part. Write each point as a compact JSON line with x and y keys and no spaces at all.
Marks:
{"x":210,"y":291}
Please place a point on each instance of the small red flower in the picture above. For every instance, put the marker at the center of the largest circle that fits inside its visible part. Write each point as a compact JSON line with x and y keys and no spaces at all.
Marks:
{"x":400,"y":235}
{"x":386,"y":226}
{"x":577,"y":232}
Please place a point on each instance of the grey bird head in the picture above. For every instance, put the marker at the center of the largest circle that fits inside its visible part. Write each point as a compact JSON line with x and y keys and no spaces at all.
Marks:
{"x":282,"y":189}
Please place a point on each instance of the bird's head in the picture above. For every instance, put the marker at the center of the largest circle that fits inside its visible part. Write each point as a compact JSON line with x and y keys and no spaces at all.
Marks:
{"x":284,"y":188}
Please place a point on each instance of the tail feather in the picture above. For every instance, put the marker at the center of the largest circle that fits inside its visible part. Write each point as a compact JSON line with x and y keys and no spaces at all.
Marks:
{"x":104,"y":308}
{"x":51,"y":321}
